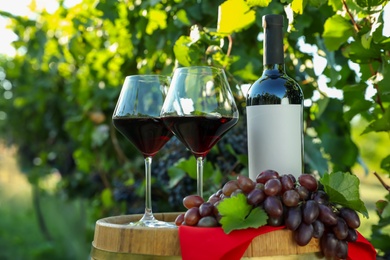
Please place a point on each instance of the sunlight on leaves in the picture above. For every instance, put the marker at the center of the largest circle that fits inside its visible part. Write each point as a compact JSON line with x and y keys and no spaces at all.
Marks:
{"x":234,"y":15}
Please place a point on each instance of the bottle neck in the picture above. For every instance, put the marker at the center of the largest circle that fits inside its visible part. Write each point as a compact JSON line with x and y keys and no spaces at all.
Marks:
{"x":273,"y":46}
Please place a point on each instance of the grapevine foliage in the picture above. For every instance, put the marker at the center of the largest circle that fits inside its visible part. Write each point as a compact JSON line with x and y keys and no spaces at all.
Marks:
{"x":61,"y":87}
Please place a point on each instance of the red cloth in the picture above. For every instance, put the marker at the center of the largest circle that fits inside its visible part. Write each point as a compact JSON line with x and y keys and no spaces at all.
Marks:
{"x":213,"y":244}
{"x":361,"y":249}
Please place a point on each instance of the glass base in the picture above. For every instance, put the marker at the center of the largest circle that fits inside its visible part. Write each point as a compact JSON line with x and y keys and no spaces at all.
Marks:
{"x":151,"y":221}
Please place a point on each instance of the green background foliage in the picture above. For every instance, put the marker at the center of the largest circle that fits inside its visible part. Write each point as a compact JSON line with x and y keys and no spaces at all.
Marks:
{"x":61,"y":87}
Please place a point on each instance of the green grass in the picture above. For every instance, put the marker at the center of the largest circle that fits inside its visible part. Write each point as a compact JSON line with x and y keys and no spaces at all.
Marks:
{"x":20,"y":234}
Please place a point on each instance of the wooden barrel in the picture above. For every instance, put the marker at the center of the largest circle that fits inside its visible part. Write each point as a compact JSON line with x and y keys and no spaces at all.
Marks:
{"x":113,"y":239}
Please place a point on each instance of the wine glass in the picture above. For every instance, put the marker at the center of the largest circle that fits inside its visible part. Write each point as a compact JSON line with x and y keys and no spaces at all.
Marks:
{"x":199,"y":109}
{"x":137,"y":117}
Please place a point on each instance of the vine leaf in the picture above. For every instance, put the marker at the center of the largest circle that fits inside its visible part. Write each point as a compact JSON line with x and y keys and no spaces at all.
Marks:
{"x":187,"y":52}
{"x":234,"y":15}
{"x":379,"y":125}
{"x":343,"y":189}
{"x":238,"y":214}
{"x":369,"y":3}
{"x":337,"y":30}
{"x":385,"y":164}
{"x":297,"y":6}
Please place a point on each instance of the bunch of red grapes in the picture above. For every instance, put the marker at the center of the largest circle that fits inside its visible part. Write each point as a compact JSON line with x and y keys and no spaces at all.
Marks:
{"x":298,"y":204}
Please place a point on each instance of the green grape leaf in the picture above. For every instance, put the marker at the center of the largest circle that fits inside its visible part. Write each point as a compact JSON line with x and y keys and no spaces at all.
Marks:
{"x":187,"y":52}
{"x":386,"y":211}
{"x":379,"y":125}
{"x":369,"y":3}
{"x":385,"y":164}
{"x":359,"y":53}
{"x":354,"y":98}
{"x":183,"y":18}
{"x":238,"y":214}
{"x":175,"y":176}
{"x":335,"y":4}
{"x":189,"y":167}
{"x":343,"y":189}
{"x":157,"y":20}
{"x":234,"y":15}
{"x":366,"y":40}
{"x":383,"y":82}
{"x":380,"y":205}
{"x":297,"y":6}
{"x":337,"y":30}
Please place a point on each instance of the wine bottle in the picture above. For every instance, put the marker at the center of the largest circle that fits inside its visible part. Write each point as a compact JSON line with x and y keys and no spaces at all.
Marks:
{"x":274,"y":110}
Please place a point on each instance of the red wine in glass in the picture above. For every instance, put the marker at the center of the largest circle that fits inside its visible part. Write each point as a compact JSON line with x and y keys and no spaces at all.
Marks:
{"x":147,"y":134}
{"x":199,"y":109}
{"x":199,"y":133}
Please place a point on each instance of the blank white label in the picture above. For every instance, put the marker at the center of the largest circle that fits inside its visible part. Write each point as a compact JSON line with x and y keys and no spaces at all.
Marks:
{"x":275,"y":139}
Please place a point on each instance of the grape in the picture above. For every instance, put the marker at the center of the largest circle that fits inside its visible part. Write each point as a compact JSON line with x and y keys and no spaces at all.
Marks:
{"x":328,"y":244}
{"x":327,"y":216}
{"x":272,"y":187}
{"x":352,"y":235}
{"x":320,"y":196}
{"x":229,"y":187}
{"x":318,"y":228}
{"x":218,"y":217}
{"x":207,"y":222}
{"x":310,"y":211}
{"x":179,"y":219}
{"x":303,"y":234}
{"x":223,"y":196}
{"x":206,"y":209}
{"x":245,"y":183}
{"x":259,"y":186}
{"x":213,"y":199}
{"x":273,"y":206}
{"x":308,"y":181}
{"x":192,"y":216}
{"x":192,"y":201}
{"x":290,"y":198}
{"x":287,"y":182}
{"x":350,"y":217}
{"x":293,"y":218}
{"x":340,"y":229}
{"x":292,"y":177}
{"x":255,"y":197}
{"x":264,"y":176}
{"x":342,"y":250}
{"x":236,"y":192}
{"x":303,"y":192}
{"x":275,"y":221}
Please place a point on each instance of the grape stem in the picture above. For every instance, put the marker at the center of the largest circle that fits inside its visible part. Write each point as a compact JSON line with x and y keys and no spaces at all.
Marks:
{"x":387,"y":187}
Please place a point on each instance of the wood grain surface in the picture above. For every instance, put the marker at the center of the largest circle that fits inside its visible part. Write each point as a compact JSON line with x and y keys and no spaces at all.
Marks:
{"x":115,"y":239}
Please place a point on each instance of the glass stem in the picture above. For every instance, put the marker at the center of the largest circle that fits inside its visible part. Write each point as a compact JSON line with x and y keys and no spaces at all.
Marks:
{"x":148,"y":192}
{"x":199,"y":175}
